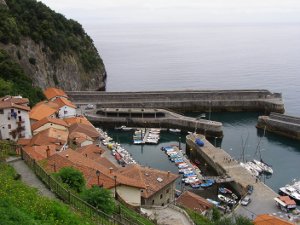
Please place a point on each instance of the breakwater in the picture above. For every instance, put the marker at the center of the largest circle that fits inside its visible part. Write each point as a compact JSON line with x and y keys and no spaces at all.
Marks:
{"x":285,"y":125}
{"x":185,"y":101}
{"x":144,"y":117}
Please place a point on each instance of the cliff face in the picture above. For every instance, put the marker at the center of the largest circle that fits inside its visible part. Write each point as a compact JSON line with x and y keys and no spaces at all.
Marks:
{"x":66,"y":72}
{"x":52,"y":50}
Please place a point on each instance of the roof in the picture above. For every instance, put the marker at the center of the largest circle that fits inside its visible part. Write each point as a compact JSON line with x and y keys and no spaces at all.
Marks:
{"x":84,"y":128}
{"x":149,"y":177}
{"x":40,"y":152}
{"x":89,"y":167}
{"x":79,"y":137}
{"x":77,"y":119}
{"x":15,"y":99}
{"x":63,"y":101}
{"x":46,"y":120}
{"x":285,"y":201}
{"x":23,"y":141}
{"x":54,"y":92}
{"x":11,"y":102}
{"x":193,"y":202}
{"x":91,"y":151}
{"x":50,"y":136}
{"x":266,"y":219}
{"x":41,"y":110}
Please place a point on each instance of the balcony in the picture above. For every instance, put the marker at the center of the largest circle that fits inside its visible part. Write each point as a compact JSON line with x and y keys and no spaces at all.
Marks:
{"x":20,"y":122}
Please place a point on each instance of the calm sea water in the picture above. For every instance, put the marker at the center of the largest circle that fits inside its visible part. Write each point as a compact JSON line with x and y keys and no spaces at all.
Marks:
{"x":194,"y":56}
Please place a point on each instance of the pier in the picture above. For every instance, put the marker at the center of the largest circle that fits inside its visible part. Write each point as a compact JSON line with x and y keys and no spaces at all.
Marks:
{"x":226,"y":166}
{"x":285,"y":125}
{"x":185,"y":101}
{"x":160,"y":118}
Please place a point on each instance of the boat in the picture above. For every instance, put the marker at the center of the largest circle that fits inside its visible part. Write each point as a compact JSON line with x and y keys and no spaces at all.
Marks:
{"x":254,"y":166}
{"x":250,"y":169}
{"x":291,"y":190}
{"x":234,"y":196}
{"x":216,"y":203}
{"x":225,"y":190}
{"x":206,"y":184}
{"x":195,"y":185}
{"x":266,"y":168}
{"x":226,"y":199}
{"x":175,"y":130}
{"x":285,"y":203}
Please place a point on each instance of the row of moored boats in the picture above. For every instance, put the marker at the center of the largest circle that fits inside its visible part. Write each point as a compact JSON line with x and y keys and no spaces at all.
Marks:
{"x":256,"y":167}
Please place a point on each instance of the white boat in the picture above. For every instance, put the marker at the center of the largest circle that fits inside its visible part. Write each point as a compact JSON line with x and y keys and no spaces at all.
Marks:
{"x":250,"y":169}
{"x":263,"y":166}
{"x":175,"y":130}
{"x":226,"y":199}
{"x":292,"y":190}
{"x":126,"y":128}
{"x":254,"y":166}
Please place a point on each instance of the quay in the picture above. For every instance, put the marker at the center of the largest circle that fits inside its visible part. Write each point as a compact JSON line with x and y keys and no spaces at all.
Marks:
{"x":185,"y":101}
{"x":285,"y":125}
{"x":160,"y":118}
{"x":225,"y":166}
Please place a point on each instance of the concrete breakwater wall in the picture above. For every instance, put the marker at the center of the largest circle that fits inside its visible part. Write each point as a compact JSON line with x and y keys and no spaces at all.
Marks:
{"x":185,"y":101}
{"x":285,"y":125}
{"x":153,"y":118}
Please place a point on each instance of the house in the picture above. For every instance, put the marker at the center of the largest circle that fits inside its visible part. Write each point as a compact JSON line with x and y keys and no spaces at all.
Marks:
{"x":53,"y":93}
{"x":48,"y":122}
{"x":41,"y":152}
{"x":85,"y":129}
{"x":50,"y":136}
{"x":65,"y":108}
{"x":78,"y":139}
{"x":77,"y":119}
{"x":194,"y":202}
{"x":42,"y":110}
{"x":266,"y":219}
{"x":126,"y":188}
{"x":14,"y":118}
{"x":160,"y":185}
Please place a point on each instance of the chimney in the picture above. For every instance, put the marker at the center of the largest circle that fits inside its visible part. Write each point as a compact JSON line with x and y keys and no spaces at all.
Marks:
{"x":168,"y":173}
{"x":67,"y":156}
{"x":111,"y":170}
{"x":48,"y":151}
{"x":85,"y":155}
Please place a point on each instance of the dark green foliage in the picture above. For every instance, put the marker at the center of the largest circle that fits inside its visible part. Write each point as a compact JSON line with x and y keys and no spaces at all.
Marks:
{"x":33,"y":19}
{"x":72,"y":178}
{"x":100,"y":198}
{"x":13,"y":80}
{"x":240,"y":220}
{"x":216,"y":215}
{"x":22,"y":205}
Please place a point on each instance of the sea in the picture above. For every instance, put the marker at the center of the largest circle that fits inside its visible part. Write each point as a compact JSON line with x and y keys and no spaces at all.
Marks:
{"x":252,"y":47}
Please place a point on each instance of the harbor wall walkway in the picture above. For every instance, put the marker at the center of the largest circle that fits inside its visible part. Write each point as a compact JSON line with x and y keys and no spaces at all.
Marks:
{"x":285,"y":125}
{"x":185,"y":101}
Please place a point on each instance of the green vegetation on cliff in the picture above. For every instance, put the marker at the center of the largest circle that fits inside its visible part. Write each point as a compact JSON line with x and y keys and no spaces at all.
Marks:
{"x":29,"y":18}
{"x":14,"y":81}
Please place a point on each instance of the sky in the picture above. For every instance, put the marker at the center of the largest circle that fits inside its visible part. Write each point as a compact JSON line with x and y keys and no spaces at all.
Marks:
{"x":201,"y":11}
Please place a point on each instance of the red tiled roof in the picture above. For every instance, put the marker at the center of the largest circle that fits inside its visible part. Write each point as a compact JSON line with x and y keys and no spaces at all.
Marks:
{"x":40,"y":152}
{"x":91,"y":151}
{"x":79,"y":137}
{"x":265,"y":219}
{"x":49,"y":136}
{"x":153,"y":179}
{"x":194,"y":202}
{"x":46,"y":120}
{"x":89,"y":167}
{"x":41,"y":110}
{"x":63,"y":101}
{"x":77,"y":119}
{"x":287,"y":200}
{"x":54,"y":92}
{"x":9,"y":104}
{"x":15,"y":99}
{"x":23,"y":141}
{"x":84,"y":128}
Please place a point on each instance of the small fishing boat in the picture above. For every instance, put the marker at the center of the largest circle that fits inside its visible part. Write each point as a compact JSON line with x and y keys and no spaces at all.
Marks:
{"x":216,"y":203}
{"x":124,"y":128}
{"x":226,"y":199}
{"x":266,"y":168}
{"x":195,"y":185}
{"x":175,"y":130}
{"x":254,"y":166}
{"x":206,"y":184}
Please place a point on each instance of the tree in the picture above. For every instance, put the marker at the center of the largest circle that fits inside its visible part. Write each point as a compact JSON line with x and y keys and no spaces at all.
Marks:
{"x":72,"y":178}
{"x":100,"y":198}
{"x":216,"y":215}
{"x":241,"y":220}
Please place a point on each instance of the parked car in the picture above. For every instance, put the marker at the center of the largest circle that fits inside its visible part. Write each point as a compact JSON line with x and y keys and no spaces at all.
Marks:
{"x":245,"y":201}
{"x":250,"y":189}
{"x":89,"y":106}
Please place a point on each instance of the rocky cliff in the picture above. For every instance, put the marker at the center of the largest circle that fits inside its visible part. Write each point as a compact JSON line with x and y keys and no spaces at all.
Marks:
{"x":52,"y":50}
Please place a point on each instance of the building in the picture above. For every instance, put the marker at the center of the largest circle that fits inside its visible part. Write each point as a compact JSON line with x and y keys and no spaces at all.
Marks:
{"x":47,"y":123}
{"x":78,"y":139}
{"x":53,"y":93}
{"x":14,"y":118}
{"x":42,"y":110}
{"x":266,"y":219}
{"x":65,"y":108}
{"x":77,"y":119}
{"x":160,"y":185}
{"x":85,"y":129}
{"x":194,"y":202}
{"x":41,"y":152}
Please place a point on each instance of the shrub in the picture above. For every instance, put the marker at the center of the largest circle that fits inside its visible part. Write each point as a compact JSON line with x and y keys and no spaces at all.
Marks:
{"x":72,"y":178}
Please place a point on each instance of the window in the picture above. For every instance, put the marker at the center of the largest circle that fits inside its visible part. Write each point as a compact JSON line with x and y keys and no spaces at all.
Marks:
{"x":19,"y":111}
{"x":152,"y":201}
{"x":168,"y":190}
{"x":161,"y":196}
{"x":9,"y":126}
{"x":1,"y":111}
{"x":12,"y":110}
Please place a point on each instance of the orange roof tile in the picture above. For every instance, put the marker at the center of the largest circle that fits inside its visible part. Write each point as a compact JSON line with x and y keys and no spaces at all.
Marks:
{"x":41,"y":111}
{"x":287,"y":200}
{"x":15,"y":99}
{"x":63,"y":101}
{"x":79,"y":137}
{"x":88,"y":167}
{"x":9,"y":103}
{"x":194,"y":202}
{"x":84,"y":128}
{"x":266,"y":219}
{"x":56,"y":133}
{"x":91,"y":151}
{"x":49,"y":136}
{"x":54,"y":92}
{"x":46,"y":120}
{"x":149,"y":177}
{"x":23,"y":141}
{"x":77,"y":119}
{"x":40,"y":152}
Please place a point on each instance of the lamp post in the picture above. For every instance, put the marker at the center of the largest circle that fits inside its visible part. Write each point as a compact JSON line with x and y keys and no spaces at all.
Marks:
{"x":115,"y":177}
{"x":98,"y":176}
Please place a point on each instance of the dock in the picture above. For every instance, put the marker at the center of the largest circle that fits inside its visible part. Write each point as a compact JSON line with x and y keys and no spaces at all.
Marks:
{"x":225,"y":165}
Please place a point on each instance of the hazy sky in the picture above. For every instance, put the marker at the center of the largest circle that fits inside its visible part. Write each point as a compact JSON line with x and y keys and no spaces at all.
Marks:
{"x":203,"y":11}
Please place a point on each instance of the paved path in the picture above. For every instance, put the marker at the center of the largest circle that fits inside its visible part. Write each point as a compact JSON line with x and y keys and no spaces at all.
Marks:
{"x":29,"y":178}
{"x":167,"y":216}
